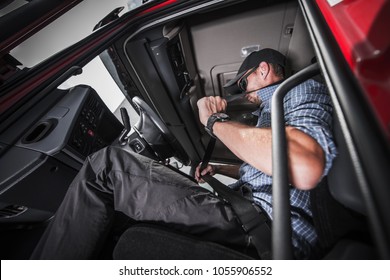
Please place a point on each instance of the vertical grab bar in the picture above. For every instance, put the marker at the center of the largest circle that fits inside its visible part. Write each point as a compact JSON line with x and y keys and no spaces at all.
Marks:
{"x":281,"y":224}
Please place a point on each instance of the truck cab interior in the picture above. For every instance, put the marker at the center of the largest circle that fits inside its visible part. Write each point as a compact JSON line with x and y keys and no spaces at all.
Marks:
{"x":164,"y":62}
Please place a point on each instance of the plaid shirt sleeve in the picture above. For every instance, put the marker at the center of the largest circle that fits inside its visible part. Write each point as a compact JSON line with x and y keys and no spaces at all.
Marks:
{"x":308,"y":108}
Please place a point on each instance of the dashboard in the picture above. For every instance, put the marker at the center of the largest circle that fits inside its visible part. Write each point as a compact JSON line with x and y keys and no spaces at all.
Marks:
{"x":43,"y":150}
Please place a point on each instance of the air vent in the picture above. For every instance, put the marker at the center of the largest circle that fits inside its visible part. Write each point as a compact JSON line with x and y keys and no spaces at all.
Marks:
{"x":11,"y":211}
{"x":94,"y":106}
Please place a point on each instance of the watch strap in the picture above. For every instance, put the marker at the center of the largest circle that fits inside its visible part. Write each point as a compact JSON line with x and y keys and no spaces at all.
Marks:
{"x":216,"y":117}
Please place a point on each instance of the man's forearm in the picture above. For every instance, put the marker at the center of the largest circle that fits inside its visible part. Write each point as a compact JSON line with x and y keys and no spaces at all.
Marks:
{"x":228,"y":170}
{"x":253,"y":145}
{"x":305,"y":156}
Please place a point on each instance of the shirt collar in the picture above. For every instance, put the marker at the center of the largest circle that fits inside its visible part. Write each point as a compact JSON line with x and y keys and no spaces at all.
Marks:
{"x":265,"y":93}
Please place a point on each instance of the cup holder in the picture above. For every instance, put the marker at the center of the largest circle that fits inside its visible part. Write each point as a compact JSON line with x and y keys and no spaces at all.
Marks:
{"x":39,"y":131}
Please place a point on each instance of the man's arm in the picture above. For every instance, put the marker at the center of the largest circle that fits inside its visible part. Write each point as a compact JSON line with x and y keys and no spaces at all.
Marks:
{"x":231,"y":171}
{"x":254,"y":145}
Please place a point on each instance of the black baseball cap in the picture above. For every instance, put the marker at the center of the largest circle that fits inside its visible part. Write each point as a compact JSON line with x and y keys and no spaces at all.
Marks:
{"x":253,"y":60}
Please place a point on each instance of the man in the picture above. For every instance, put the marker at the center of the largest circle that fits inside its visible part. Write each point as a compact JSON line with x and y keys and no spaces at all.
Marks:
{"x":308,"y":117}
{"x":113,"y":179}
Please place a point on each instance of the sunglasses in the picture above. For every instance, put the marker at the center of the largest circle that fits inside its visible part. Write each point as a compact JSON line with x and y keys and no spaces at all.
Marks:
{"x":243,"y":83}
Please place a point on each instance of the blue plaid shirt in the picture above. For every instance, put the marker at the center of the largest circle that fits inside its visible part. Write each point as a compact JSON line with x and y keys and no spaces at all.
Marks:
{"x":307,"y":108}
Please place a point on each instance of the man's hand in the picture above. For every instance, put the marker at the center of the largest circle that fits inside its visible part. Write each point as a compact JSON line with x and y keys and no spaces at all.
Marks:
{"x":210,"y":169}
{"x":210,"y":105}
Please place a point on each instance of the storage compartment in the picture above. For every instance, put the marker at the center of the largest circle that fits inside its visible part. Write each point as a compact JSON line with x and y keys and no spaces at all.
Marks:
{"x":39,"y":131}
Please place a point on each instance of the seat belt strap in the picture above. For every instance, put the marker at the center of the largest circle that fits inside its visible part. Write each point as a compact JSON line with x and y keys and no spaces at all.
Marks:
{"x":208,"y":153}
{"x":253,"y":222}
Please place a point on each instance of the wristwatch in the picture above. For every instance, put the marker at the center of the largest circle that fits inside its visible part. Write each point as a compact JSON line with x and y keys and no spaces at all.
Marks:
{"x":216,"y":117}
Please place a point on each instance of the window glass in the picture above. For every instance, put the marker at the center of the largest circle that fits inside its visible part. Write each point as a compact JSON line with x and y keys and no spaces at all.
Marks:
{"x":68,"y":29}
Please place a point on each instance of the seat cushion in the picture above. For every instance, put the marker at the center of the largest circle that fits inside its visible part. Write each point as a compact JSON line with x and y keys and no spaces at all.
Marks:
{"x":149,"y":242}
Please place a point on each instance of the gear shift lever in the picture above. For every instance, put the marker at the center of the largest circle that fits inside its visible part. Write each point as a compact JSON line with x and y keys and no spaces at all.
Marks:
{"x":126,"y":123}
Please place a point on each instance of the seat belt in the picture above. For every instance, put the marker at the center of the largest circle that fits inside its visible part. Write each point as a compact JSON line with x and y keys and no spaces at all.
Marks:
{"x":253,"y":222}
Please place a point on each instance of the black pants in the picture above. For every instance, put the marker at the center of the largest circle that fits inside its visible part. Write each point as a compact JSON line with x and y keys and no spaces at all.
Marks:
{"x":144,"y":190}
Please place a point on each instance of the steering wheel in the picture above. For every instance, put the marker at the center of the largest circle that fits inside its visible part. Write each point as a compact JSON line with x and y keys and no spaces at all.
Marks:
{"x":154,"y":131}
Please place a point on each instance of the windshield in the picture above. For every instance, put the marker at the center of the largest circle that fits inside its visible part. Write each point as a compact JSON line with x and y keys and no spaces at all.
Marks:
{"x":68,"y":29}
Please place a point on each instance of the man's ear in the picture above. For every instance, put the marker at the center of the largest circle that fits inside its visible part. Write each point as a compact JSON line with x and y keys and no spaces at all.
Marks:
{"x":264,"y":68}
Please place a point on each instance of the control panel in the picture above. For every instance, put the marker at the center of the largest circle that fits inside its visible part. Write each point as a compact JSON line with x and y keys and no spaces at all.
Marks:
{"x":75,"y":127}
{"x":95,"y":127}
